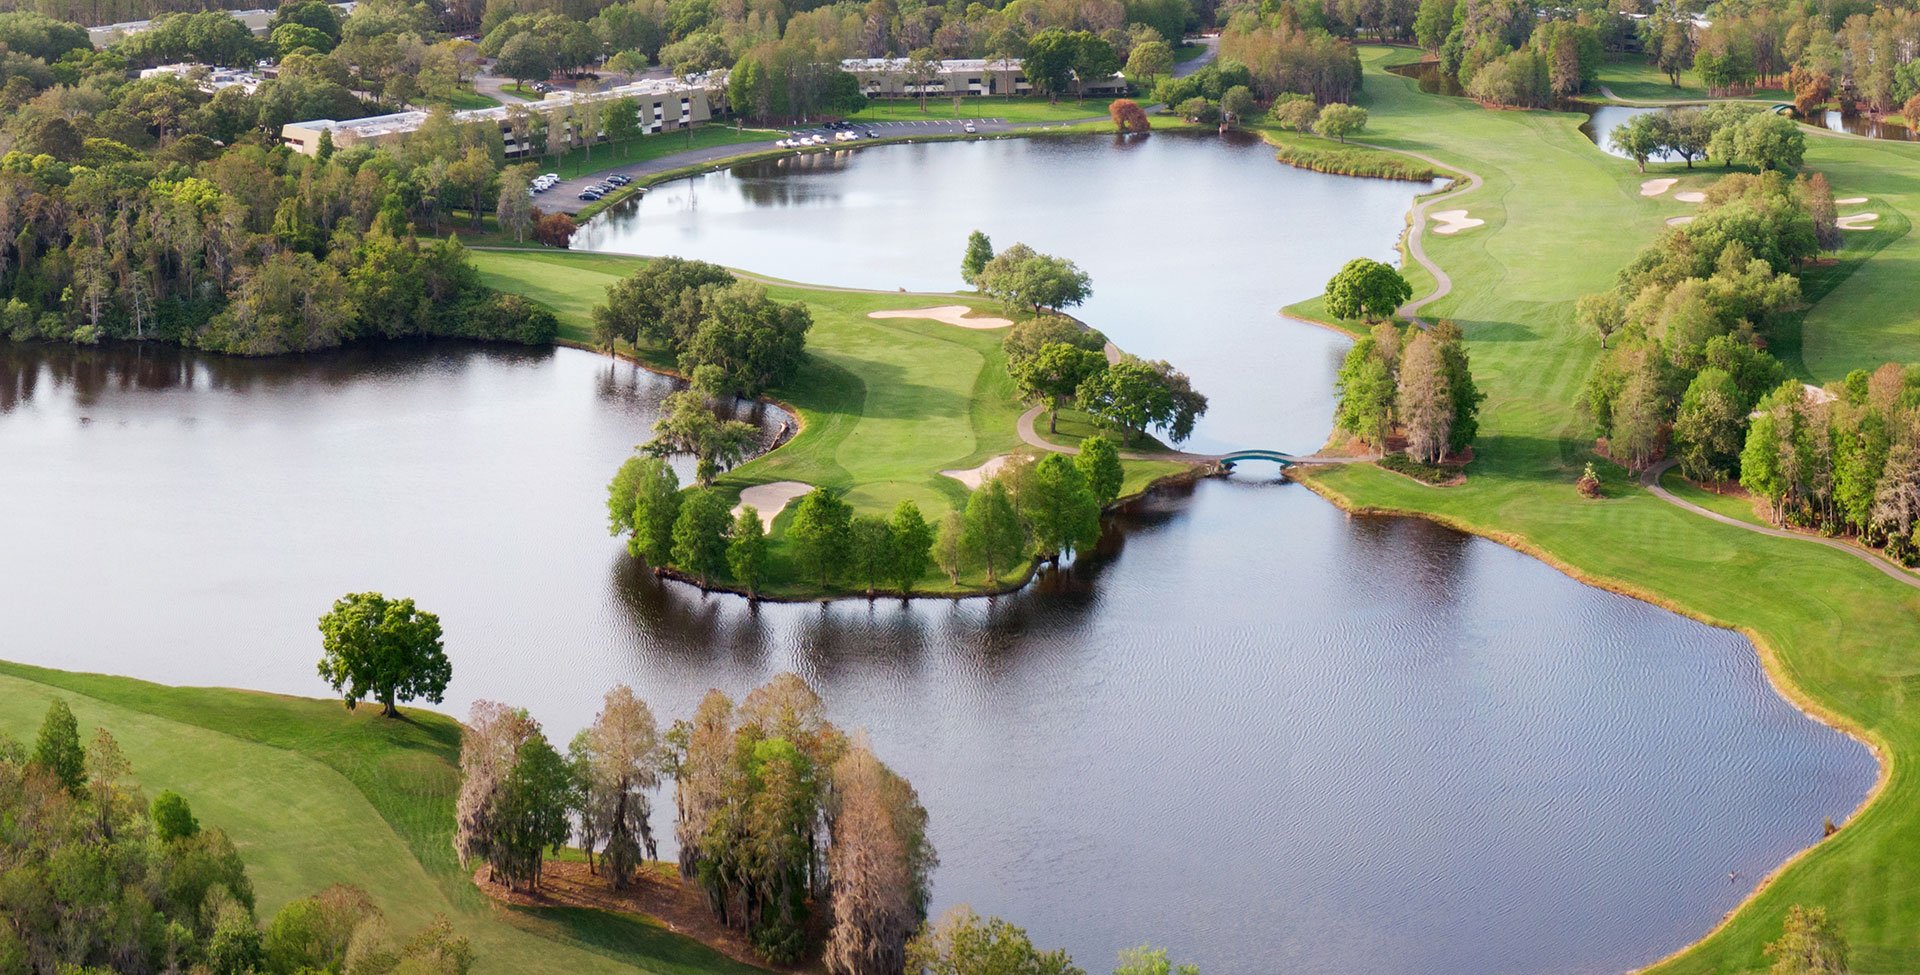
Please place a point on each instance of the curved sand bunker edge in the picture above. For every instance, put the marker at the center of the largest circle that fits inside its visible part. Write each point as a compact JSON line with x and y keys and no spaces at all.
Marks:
{"x":1454,"y":221}
{"x":771,"y":499}
{"x":959,"y":315}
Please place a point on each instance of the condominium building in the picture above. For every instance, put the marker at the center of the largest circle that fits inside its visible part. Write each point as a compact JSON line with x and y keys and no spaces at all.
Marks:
{"x":661,"y":104}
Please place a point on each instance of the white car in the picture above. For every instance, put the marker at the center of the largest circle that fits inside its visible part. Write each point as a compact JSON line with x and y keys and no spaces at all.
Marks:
{"x":970,"y":128}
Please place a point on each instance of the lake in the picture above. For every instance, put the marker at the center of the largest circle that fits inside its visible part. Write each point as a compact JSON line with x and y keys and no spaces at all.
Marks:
{"x":1251,"y":728}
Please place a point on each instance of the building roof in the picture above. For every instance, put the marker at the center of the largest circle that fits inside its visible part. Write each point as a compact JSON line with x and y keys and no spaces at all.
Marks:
{"x":379,"y":125}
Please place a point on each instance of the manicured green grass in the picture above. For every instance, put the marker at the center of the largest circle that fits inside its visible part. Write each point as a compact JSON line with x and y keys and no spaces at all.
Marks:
{"x":466,"y":99}
{"x":1309,"y":151}
{"x":885,"y":404}
{"x":313,"y":795}
{"x":1633,"y":77}
{"x":1020,"y":108}
{"x":1186,"y":52}
{"x":1834,"y":632}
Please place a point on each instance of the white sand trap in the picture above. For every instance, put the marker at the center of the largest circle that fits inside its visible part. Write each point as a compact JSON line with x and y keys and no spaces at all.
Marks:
{"x":1857,"y":221}
{"x":1691,"y":196}
{"x":1851,"y":201}
{"x":959,"y":315}
{"x":770,"y":499}
{"x":1679,"y":221}
{"x":973,"y":477}
{"x":1454,"y":221}
{"x":1655,"y":187}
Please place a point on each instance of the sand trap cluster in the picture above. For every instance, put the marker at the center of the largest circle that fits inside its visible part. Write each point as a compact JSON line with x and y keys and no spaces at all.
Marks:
{"x":1851,"y":201}
{"x":973,"y":477}
{"x":959,"y":315}
{"x":770,"y":499}
{"x":1691,"y":196}
{"x":1857,"y":221}
{"x":1655,"y":187}
{"x":1679,"y":221}
{"x":1454,"y":221}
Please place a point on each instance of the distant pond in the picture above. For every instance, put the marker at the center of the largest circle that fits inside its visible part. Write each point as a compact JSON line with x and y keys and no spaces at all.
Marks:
{"x":1251,"y":728}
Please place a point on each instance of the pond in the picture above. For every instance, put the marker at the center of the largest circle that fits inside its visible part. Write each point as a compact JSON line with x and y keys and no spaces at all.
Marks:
{"x":1251,"y":728}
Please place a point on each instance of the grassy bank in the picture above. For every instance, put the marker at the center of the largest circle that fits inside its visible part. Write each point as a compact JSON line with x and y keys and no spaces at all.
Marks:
{"x":1308,"y":151}
{"x":885,"y":404}
{"x":1019,"y":108}
{"x":1633,"y":77}
{"x":1562,"y":217}
{"x":314,"y":794}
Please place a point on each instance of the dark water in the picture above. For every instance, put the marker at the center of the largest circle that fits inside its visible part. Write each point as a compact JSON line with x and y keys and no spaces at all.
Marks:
{"x":1251,"y":728}
{"x":1432,"y":80}
{"x":1867,"y":125}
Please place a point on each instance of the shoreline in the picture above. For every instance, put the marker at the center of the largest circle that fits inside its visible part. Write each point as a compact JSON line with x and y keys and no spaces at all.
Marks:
{"x":1770,"y":664}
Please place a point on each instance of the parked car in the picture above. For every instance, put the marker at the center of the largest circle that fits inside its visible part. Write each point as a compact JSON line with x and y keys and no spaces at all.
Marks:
{"x":846,"y":136}
{"x":550,"y":177}
{"x":970,"y":127}
{"x":619,"y":180}
{"x":589,"y":195}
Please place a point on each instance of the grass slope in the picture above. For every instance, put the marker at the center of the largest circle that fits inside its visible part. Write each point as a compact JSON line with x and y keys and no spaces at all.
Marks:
{"x":1834,"y":633}
{"x":1634,"y":78}
{"x":885,"y":404}
{"x":1019,"y":108}
{"x":313,"y":795}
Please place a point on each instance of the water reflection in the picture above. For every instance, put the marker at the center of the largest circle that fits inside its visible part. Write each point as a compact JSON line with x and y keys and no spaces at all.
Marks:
{"x":1249,"y":727}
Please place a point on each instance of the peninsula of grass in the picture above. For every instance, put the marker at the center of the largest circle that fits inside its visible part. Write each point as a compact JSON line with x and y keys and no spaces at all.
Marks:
{"x":313,"y":795}
{"x":1634,"y":78}
{"x":885,"y":405}
{"x":1835,"y":634}
{"x":1308,"y":151}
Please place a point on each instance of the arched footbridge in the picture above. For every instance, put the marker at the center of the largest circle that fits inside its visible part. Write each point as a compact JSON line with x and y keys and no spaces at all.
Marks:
{"x":1227,"y":461}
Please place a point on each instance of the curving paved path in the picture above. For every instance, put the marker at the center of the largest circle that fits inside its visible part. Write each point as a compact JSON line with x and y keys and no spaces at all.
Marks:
{"x":1651,"y":481}
{"x":1416,"y":230}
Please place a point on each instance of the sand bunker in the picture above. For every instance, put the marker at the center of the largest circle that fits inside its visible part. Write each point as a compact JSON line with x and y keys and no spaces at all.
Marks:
{"x":1454,"y":221}
{"x":769,"y":499}
{"x":1679,"y":221}
{"x":1655,"y":187}
{"x":973,"y":477}
{"x":1857,"y":221}
{"x":1691,"y":196}
{"x":1851,"y":201}
{"x":951,"y":314}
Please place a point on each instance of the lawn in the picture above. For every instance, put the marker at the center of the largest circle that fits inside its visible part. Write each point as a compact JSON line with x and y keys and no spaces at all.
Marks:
{"x":1020,"y":108}
{"x":313,"y":794}
{"x":1835,"y":633}
{"x":467,"y":98}
{"x":885,"y":405}
{"x":1633,"y":77}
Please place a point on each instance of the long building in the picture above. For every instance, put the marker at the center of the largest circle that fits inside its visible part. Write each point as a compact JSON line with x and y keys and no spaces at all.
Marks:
{"x":888,"y":78}
{"x":255,"y":21}
{"x":662,"y":104}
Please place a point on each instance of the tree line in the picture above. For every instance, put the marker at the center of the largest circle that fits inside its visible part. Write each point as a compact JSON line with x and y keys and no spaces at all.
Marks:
{"x":1731,"y":132}
{"x":779,"y":816}
{"x":1045,"y":509}
{"x":1857,"y":56}
{"x":1054,"y":359}
{"x":93,"y":878}
{"x":723,"y":334}
{"x":150,"y":210}
{"x":1685,"y":328}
